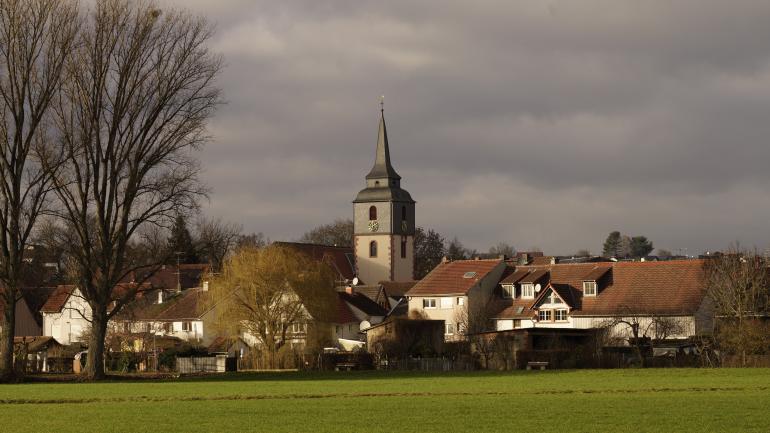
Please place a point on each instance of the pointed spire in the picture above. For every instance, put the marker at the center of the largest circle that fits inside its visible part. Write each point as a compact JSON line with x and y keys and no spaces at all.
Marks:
{"x":382,"y":168}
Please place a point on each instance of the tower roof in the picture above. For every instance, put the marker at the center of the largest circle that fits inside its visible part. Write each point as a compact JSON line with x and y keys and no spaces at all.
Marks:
{"x":382,"y":167}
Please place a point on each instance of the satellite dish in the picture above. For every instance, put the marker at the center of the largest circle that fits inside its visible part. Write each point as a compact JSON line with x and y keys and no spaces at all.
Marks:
{"x":355,"y":281}
{"x":537,"y":288}
{"x":364,"y":325}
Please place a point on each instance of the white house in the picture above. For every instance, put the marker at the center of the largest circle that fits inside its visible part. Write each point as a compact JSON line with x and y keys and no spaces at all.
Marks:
{"x":66,"y":315}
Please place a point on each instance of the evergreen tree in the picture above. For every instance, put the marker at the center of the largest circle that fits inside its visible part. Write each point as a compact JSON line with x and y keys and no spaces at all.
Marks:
{"x":612,"y":245}
{"x":428,"y":251}
{"x":640,"y":246}
{"x":181,"y":243}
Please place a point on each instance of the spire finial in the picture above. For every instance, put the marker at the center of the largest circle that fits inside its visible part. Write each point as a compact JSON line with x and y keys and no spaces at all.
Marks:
{"x":382,"y":103}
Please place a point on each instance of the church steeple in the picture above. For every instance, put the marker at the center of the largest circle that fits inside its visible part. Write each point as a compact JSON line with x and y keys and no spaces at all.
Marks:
{"x":382,"y":168}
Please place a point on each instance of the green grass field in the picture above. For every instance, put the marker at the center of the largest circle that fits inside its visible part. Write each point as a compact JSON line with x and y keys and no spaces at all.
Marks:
{"x":702,"y":400}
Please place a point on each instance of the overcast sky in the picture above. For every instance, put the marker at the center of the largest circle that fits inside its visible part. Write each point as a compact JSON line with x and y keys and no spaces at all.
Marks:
{"x":542,"y":124}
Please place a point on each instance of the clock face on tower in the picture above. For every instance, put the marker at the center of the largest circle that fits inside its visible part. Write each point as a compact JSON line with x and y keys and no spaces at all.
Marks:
{"x":374,"y":226}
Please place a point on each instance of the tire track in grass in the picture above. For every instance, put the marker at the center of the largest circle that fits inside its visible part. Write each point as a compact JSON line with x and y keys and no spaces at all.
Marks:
{"x":234,"y":397}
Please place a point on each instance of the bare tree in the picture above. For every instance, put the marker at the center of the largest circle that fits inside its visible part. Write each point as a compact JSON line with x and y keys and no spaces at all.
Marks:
{"x":138,"y":93}
{"x":472,"y":323}
{"x":738,"y":284}
{"x":265,"y":291}
{"x":641,"y":329}
{"x":36,"y":36}
{"x":216,"y":239}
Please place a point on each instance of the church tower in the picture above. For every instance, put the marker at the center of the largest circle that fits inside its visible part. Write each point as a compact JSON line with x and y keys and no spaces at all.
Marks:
{"x":383,"y":221}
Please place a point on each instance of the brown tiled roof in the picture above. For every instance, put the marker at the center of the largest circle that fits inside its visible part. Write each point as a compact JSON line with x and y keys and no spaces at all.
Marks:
{"x":397,"y":289}
{"x":596,"y":274}
{"x":541,"y":261}
{"x":191,"y":304}
{"x":58,"y":298}
{"x":340,"y":258}
{"x":517,"y":309}
{"x":449,"y":278}
{"x":664,"y":288}
{"x":660,"y":288}
{"x":371,"y":292}
{"x":514,"y":276}
{"x":535,"y":276}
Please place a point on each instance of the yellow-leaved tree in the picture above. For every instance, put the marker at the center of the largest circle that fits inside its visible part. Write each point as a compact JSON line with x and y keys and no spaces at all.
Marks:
{"x":269,"y":293}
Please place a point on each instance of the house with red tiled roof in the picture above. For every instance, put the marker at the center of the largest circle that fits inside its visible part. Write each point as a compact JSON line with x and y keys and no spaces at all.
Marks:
{"x":66,"y":314}
{"x":453,"y":290}
{"x":664,"y":299}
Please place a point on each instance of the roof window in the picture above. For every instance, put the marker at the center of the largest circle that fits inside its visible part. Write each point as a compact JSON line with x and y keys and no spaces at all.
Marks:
{"x":470,"y":274}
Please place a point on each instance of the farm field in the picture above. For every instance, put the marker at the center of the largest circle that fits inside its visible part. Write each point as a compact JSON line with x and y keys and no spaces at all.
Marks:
{"x":580,"y":400}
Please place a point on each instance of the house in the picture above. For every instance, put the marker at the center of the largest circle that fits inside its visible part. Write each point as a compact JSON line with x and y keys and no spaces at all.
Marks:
{"x":659,"y":300}
{"x":188,"y":316}
{"x":66,"y":315}
{"x":26,"y":322}
{"x":456,"y":292}
{"x":39,"y":350}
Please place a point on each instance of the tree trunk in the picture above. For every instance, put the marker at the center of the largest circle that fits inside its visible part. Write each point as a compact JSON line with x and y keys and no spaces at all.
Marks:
{"x":95,"y":363}
{"x":7,"y":372}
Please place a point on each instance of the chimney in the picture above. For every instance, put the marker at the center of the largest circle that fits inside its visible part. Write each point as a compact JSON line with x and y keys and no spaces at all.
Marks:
{"x":349,"y":290}
{"x":503,"y":257}
{"x":553,"y":260}
{"x":523,"y":259}
{"x":205,"y":286}
{"x":445,"y":259}
{"x":477,"y":258}
{"x":160,"y":296}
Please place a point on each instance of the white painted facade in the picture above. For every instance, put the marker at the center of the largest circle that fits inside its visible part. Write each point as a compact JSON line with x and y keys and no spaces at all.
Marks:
{"x":68,"y":325}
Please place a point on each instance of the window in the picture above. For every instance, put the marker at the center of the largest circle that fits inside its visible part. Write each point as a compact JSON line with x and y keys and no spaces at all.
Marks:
{"x":403,"y":213}
{"x":470,"y":274}
{"x":338,"y":329}
{"x":186,"y":326}
{"x":297,"y":328}
{"x":545,"y":315}
{"x":460,"y":301}
{"x":446,"y":303}
{"x":589,"y":288}
{"x":561,"y":315}
{"x":449,"y":328}
{"x":517,"y":323}
{"x":508,"y":291}
{"x":372,"y":213}
{"x":528,"y":290}
{"x":373,"y":249}
{"x":403,"y":247}
{"x":167,"y":327}
{"x":429,"y":303}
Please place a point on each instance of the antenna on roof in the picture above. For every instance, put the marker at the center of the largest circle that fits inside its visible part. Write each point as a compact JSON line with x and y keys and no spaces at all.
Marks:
{"x":538,"y":287}
{"x":355,"y":281}
{"x":382,"y":103}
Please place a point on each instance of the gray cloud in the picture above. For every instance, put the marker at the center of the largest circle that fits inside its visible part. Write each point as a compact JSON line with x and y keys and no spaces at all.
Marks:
{"x":541,"y":124}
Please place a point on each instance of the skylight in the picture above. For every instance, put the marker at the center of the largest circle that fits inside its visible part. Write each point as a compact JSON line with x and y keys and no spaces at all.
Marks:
{"x":469,"y":274}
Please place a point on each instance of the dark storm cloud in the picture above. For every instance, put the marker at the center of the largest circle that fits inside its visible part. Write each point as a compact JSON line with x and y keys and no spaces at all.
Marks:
{"x":541,"y":124}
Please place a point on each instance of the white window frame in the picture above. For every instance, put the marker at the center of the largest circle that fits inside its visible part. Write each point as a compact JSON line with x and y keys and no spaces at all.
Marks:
{"x":509,"y":291}
{"x":542,"y":313}
{"x":556,"y":315}
{"x":528,"y":290}
{"x":590,"y":288}
{"x":449,"y":328}
{"x":461,"y":300}
{"x":427,"y":301}
{"x":446,"y":303}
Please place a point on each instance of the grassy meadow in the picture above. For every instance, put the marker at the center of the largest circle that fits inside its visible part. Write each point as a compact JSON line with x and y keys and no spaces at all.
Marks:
{"x":702,"y":400}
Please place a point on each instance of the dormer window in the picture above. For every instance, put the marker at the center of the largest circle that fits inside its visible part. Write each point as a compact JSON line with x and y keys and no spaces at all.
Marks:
{"x":589,"y":288}
{"x":508,"y":291}
{"x":528,"y":291}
